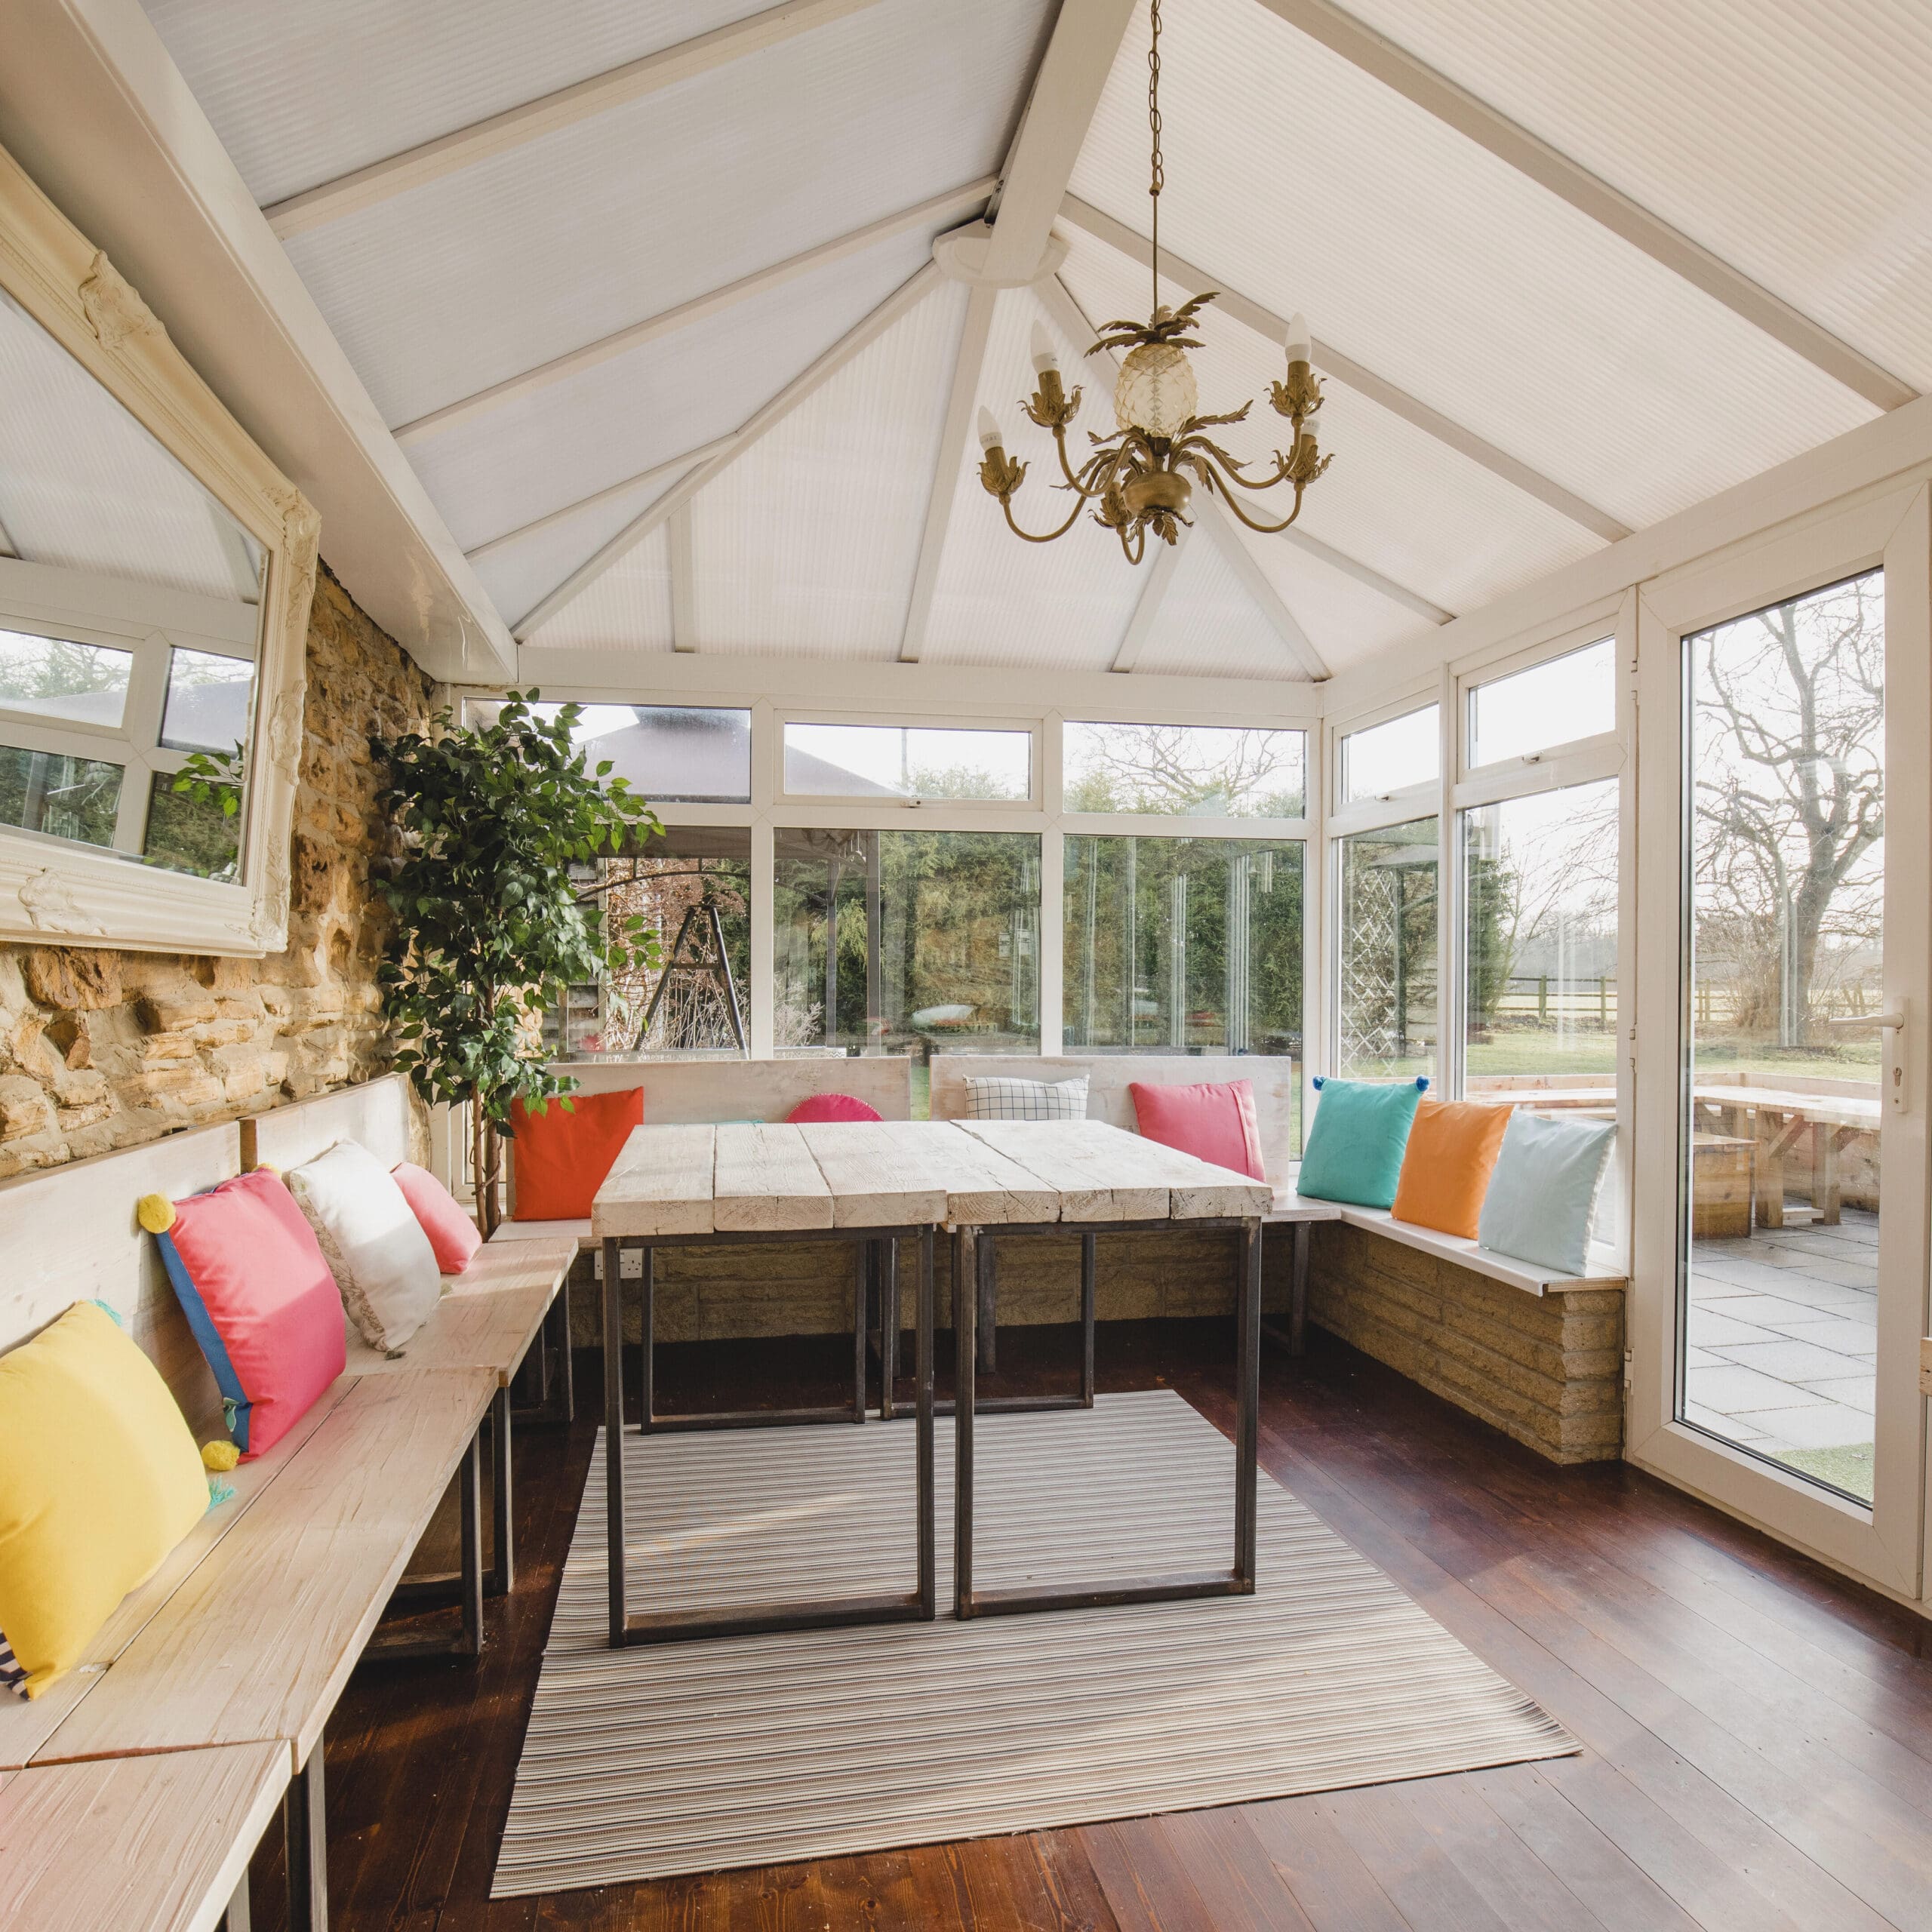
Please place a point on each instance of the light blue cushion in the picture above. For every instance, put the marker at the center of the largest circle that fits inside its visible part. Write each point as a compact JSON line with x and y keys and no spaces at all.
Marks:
{"x":1543,"y":1190}
{"x":1355,"y":1147}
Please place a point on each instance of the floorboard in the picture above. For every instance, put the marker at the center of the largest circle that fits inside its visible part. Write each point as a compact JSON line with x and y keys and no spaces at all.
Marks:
{"x":1757,"y":1731}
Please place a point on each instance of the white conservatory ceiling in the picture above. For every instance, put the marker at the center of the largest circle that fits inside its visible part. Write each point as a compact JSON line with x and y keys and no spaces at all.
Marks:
{"x":1571,"y":268}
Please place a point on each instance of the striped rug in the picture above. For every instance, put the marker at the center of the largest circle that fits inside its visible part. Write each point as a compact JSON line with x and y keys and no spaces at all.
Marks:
{"x":757,"y":1750}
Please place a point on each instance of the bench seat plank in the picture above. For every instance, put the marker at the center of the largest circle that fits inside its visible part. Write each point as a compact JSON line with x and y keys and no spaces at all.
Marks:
{"x":487,"y":1318}
{"x":660,"y":1184}
{"x":140,"y":1845}
{"x":579,"y":1231}
{"x":881,"y":1173}
{"x":259,"y":1640}
{"x":765,"y":1180}
{"x":1094,"y":1168}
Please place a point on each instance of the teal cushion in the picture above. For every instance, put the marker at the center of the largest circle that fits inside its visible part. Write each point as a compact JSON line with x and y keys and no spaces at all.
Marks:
{"x":1543,"y":1190}
{"x":1355,"y":1147}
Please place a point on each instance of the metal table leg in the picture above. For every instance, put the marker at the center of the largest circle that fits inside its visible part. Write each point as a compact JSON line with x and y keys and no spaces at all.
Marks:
{"x":503,"y":1561}
{"x":304,"y":1823}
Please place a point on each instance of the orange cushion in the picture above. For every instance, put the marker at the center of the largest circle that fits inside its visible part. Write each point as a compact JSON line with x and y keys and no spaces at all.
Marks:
{"x":565,"y":1149}
{"x":1452,"y":1147}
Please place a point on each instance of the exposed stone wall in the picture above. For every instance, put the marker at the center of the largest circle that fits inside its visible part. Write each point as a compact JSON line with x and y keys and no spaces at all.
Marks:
{"x":100,"y":1050}
{"x":1545,"y":1369}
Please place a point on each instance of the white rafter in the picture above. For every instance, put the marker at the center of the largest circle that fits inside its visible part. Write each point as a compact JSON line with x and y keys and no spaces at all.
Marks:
{"x":671,"y":466}
{"x":1344,"y":368}
{"x":1367,"y":574}
{"x":684,"y":606}
{"x":1435,"y":94}
{"x":1147,"y":611}
{"x":953,"y":433}
{"x":940,"y":208}
{"x":1223,"y":529}
{"x":861,"y":336}
{"x":430,"y":160}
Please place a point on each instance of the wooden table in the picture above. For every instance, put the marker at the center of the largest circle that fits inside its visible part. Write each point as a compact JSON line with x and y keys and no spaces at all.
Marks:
{"x":1779,"y":1118}
{"x":749,"y":1182}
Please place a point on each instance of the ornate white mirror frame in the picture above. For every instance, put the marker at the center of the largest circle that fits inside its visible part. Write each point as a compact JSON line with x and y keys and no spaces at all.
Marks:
{"x":53,"y":889}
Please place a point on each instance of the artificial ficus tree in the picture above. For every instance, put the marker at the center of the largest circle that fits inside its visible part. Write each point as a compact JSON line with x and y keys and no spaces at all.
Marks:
{"x":491,"y":925}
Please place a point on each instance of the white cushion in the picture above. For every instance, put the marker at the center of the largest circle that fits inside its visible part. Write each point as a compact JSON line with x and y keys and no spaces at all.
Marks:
{"x":374,"y":1245}
{"x":997,"y":1097}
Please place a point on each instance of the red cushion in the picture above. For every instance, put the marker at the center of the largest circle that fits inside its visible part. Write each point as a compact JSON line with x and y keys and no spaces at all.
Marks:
{"x":260,"y":1300}
{"x":833,"y":1106}
{"x":562,"y":1156}
{"x":452,"y":1233}
{"x":1212,"y":1121}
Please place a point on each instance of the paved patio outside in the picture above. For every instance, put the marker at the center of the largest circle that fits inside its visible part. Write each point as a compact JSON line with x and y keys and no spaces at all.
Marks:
{"x":1782,"y":1342}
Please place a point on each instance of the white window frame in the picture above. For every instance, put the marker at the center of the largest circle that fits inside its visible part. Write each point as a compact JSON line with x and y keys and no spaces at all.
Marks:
{"x":1382,"y":807}
{"x":1034,"y":802}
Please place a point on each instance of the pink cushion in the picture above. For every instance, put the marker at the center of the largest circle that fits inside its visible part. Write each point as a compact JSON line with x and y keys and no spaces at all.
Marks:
{"x":833,"y":1106}
{"x":452,"y":1233}
{"x":1212,"y":1121}
{"x":261,"y":1300}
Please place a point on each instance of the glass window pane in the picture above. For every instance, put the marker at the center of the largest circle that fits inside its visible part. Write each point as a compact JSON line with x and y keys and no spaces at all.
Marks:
{"x":66,"y":798}
{"x":189,"y":834}
{"x":1540,"y":885}
{"x":54,"y":677}
{"x":207,"y":701}
{"x":1569,"y":697}
{"x":1786,"y":798}
{"x":906,"y":762}
{"x":1388,"y":991}
{"x":672,"y":754}
{"x":937,"y":946}
{"x":1190,"y":771}
{"x":1390,"y":757}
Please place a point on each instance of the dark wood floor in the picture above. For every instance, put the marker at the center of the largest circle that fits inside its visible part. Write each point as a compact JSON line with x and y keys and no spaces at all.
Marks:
{"x":1758,"y":1733}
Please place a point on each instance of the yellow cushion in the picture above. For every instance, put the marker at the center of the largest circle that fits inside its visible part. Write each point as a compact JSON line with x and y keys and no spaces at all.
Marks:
{"x":99,"y":1480}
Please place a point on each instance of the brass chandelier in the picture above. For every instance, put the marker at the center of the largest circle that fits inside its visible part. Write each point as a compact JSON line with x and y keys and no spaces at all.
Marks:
{"x":1142,"y":477}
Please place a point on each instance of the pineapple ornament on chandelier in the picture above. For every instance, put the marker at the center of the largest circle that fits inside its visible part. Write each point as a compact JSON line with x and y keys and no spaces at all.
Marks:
{"x":1140,"y":479}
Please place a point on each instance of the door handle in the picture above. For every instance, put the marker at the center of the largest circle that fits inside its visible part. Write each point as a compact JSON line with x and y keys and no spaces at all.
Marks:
{"x":1892,"y":1024}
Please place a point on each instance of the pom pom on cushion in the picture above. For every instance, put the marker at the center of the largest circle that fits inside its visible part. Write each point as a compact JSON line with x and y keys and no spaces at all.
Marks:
{"x":261,"y":1301}
{"x":219,"y":1457}
{"x":562,"y":1156}
{"x":100,"y":1478}
{"x":155,"y":1213}
{"x":452,"y":1233}
{"x":1543,"y":1193}
{"x":1213,"y":1120}
{"x":831,"y":1106}
{"x":1452,"y":1146}
{"x":1355,"y":1146}
{"x":374,"y":1245}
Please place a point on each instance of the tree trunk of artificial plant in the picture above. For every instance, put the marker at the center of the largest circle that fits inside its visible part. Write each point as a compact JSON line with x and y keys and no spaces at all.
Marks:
{"x":484,"y":1150}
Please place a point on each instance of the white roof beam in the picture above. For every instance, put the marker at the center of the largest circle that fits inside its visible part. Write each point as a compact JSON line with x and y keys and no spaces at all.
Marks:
{"x":1344,"y":368}
{"x":431,"y":160}
{"x":1140,"y":625}
{"x":672,"y":466}
{"x":940,"y":208}
{"x":1367,"y":574}
{"x":910,"y":292}
{"x":1224,"y":530}
{"x":1066,"y":90}
{"x":684,"y":608}
{"x":953,"y":433}
{"x":1362,"y":47}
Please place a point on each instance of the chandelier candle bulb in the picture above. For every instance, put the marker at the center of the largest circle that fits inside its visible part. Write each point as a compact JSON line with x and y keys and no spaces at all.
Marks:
{"x":990,"y":438}
{"x":1045,"y":356}
{"x":1300,"y":343}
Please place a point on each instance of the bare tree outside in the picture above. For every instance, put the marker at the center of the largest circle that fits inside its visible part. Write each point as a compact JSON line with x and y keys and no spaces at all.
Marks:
{"x":1197,"y":771}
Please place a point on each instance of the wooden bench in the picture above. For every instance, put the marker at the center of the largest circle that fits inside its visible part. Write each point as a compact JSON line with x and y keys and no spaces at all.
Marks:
{"x":243,"y":1641}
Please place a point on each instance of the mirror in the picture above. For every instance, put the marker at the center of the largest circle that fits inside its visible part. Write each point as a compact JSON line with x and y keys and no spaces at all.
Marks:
{"x":155,"y":573}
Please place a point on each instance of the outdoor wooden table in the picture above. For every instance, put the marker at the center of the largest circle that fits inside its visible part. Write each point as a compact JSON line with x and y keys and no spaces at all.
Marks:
{"x":1779,"y":1119}
{"x":701,"y":1186}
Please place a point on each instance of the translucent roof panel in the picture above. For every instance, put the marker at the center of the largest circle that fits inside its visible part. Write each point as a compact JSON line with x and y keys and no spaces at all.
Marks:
{"x":1210,"y":624}
{"x":1446,"y":272}
{"x":501,"y":469}
{"x":1059,"y":606}
{"x":627,"y":609}
{"x":1719,"y":139}
{"x":806,"y":545}
{"x":457,"y":284}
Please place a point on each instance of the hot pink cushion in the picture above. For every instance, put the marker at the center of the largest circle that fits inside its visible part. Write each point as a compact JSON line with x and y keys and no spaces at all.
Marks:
{"x":452,"y":1233}
{"x":1212,"y":1121}
{"x":833,"y":1106}
{"x":260,"y":1300}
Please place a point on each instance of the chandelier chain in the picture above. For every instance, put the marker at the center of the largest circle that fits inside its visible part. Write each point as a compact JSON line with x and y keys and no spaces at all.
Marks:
{"x":1157,"y":178}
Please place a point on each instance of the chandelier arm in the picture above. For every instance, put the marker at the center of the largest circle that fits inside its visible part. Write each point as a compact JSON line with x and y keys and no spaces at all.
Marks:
{"x":1194,"y":444}
{"x":1048,"y":536}
{"x":1216,"y":481}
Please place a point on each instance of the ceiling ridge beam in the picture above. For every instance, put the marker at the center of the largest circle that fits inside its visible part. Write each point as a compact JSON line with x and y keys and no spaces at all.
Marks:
{"x":1060,"y":107}
{"x":1147,"y":610}
{"x":1344,"y":368}
{"x":1610,"y":208}
{"x":447,"y":154}
{"x":964,"y":200}
{"x":675,"y":464}
{"x":1074,"y":319}
{"x":953,"y":433}
{"x":906,"y":297}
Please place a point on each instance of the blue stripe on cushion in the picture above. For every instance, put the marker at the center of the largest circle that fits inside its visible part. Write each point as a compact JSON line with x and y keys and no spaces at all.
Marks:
{"x":234,"y":1397}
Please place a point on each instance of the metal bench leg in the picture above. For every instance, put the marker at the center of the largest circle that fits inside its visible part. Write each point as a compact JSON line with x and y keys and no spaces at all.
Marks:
{"x":237,"y":1918}
{"x":502,"y":1562}
{"x":1298,"y":1292}
{"x":566,"y":1371}
{"x":988,"y":1323}
{"x":305,"y":1822}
